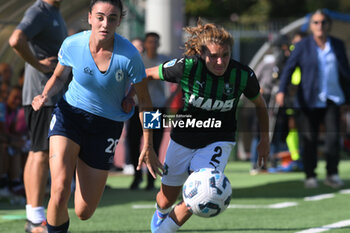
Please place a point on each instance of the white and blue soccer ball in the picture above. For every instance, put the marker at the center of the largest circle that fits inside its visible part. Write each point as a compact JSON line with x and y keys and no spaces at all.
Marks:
{"x":207,"y":192}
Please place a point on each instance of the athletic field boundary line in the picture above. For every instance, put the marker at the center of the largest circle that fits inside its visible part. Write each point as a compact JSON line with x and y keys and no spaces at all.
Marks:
{"x":332,"y":226}
{"x":280,"y":205}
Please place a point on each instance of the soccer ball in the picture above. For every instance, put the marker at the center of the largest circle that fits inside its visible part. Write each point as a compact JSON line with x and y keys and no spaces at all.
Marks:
{"x":207,"y":192}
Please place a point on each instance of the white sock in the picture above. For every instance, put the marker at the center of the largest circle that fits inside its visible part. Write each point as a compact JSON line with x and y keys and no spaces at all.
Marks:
{"x":29,"y":212}
{"x":38,"y":214}
{"x":168,"y":226}
{"x":163,"y":211}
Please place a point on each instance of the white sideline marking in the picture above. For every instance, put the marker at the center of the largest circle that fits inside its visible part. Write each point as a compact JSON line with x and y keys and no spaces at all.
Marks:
{"x":283,"y":205}
{"x":345,"y":191}
{"x":143,"y":206}
{"x":327,"y":227}
{"x":319,"y":197}
{"x":272,"y":206}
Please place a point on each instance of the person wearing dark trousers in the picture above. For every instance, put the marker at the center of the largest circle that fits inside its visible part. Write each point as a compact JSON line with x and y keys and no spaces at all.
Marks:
{"x":309,"y":122}
{"x":324,"y":87}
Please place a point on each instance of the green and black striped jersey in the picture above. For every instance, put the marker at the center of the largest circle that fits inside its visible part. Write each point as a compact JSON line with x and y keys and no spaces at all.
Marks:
{"x":210,"y":102}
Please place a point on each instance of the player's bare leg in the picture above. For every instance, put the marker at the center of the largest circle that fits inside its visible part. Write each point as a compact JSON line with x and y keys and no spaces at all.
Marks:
{"x":180,"y":214}
{"x":63,"y":157}
{"x":167,"y":195}
{"x":87,"y":196}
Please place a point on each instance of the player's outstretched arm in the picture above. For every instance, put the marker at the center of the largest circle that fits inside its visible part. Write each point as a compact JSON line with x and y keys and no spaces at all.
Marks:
{"x":148,"y":155}
{"x":264,"y":144}
{"x":53,"y":86}
{"x":153,"y":73}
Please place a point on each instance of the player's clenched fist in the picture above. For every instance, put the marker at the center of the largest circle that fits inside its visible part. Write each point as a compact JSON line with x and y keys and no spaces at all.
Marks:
{"x":38,"y":101}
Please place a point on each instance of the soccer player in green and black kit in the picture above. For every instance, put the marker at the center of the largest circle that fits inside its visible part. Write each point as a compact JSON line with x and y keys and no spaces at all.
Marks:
{"x":203,"y":134}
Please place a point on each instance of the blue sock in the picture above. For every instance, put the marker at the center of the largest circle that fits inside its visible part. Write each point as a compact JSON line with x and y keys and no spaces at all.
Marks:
{"x":58,"y":229}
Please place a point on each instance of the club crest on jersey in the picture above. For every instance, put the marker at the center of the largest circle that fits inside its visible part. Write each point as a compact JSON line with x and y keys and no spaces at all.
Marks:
{"x":228,"y":89}
{"x":119,"y":76}
{"x":170,"y":63}
{"x":87,"y":70}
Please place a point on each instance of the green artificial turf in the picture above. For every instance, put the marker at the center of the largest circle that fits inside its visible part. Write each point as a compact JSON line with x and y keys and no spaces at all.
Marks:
{"x":117,"y":213}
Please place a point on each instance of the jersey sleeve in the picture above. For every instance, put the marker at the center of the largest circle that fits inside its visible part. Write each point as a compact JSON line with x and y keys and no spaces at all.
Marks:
{"x":32,"y":23}
{"x":252,"y":89}
{"x":172,"y":70}
{"x":64,"y":56}
{"x":136,"y":69}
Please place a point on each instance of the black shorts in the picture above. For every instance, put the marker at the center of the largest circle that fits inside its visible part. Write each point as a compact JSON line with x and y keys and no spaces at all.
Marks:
{"x":97,"y":136}
{"x":38,"y":126}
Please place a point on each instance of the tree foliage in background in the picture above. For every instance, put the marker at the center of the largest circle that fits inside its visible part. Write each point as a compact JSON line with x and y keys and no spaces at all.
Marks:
{"x":255,"y":11}
{"x":220,"y":9}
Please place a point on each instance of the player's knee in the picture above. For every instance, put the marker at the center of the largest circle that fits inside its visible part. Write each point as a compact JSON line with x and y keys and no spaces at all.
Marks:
{"x":164,"y":202}
{"x":83,"y":213}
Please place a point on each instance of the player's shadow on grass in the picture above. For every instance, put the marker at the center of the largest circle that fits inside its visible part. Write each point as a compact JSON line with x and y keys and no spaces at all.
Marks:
{"x":282,"y":189}
{"x":285,"y":189}
{"x":111,"y":196}
{"x":115,"y":196}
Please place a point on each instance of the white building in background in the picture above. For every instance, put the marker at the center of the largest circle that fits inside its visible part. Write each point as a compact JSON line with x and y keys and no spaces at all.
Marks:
{"x":166,"y":17}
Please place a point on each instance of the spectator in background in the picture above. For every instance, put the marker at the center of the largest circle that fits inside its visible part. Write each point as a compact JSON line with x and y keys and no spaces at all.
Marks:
{"x":4,"y":91}
{"x":324,"y":87}
{"x":15,"y":141}
{"x":268,"y":72}
{"x":4,"y":188}
{"x":5,"y":73}
{"x":129,"y":167}
{"x":37,"y":40}
{"x":138,"y":43}
{"x":11,"y":143}
{"x":159,"y":93}
{"x":292,"y":161}
{"x":20,"y":80}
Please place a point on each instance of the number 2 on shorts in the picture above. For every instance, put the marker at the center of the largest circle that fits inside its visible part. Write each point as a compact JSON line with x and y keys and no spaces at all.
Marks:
{"x":218,"y":151}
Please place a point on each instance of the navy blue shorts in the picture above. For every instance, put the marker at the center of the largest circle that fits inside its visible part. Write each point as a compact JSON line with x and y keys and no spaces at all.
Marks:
{"x":97,"y":136}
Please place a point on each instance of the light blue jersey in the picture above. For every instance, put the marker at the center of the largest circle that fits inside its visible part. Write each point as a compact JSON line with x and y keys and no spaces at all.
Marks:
{"x":95,"y":92}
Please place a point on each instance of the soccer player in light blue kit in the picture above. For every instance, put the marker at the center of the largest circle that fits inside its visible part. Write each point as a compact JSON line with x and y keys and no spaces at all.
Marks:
{"x":88,"y":120}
